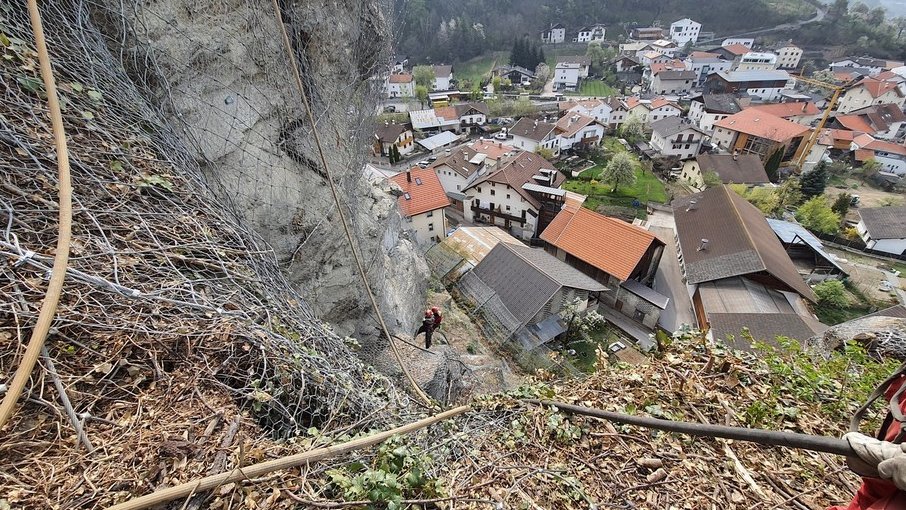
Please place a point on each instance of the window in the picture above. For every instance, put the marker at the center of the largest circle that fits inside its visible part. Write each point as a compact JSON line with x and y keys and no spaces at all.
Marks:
{"x":430,"y":227}
{"x":507,"y":196}
{"x":492,"y":193}
{"x":479,"y":189}
{"x":507,"y":208}
{"x":687,"y":145}
{"x":431,"y":213}
{"x":457,"y":187}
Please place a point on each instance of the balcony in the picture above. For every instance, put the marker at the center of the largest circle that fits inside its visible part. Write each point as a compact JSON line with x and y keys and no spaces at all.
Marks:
{"x":496,"y":213}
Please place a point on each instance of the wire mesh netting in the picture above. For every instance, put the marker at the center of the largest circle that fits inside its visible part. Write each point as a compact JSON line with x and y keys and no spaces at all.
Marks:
{"x":176,"y":318}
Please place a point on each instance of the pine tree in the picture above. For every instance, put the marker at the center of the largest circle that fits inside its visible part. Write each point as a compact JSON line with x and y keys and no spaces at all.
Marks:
{"x":772,"y":167}
{"x":541,"y":57}
{"x":814,"y":182}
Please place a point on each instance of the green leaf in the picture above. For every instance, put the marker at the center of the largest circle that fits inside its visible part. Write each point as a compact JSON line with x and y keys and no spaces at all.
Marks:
{"x":95,"y":95}
{"x":116,"y":166}
{"x":157,"y":180}
{"x":87,"y":115}
{"x":30,"y":84}
{"x":76,"y":86}
{"x":4,"y":40}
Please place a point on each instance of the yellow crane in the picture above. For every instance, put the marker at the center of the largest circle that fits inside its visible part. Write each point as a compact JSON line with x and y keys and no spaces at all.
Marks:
{"x":813,"y":139}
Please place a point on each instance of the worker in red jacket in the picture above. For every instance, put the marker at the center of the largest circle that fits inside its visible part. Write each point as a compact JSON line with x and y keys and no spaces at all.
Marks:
{"x":427,"y":328}
{"x":438,"y":318}
{"x":881,"y":461}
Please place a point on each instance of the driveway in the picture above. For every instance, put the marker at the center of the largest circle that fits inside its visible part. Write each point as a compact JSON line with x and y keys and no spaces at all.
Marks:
{"x":669,"y":280}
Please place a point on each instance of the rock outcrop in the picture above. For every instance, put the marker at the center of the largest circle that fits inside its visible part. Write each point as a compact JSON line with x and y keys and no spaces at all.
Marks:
{"x":881,"y":335}
{"x":221,"y":74}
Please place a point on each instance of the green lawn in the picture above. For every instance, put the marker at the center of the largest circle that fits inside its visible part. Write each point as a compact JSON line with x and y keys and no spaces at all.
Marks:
{"x":832,"y":316}
{"x":647,"y":187}
{"x":478,"y":68}
{"x":594,"y":88}
{"x":585,"y":356}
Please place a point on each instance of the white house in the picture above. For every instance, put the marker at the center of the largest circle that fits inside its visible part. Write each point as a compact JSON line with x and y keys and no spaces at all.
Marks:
{"x":703,"y":63}
{"x":597,"y":109}
{"x":569,"y":71}
{"x":707,"y":109}
{"x":863,"y":65}
{"x":422,"y":204}
{"x":883,"y":229}
{"x":788,"y":56}
{"x":743,"y":41}
{"x":757,"y":61}
{"x":442,"y":77}
{"x":576,"y":130}
{"x":685,"y":30}
{"x":593,"y":33}
{"x":651,"y":110}
{"x":677,"y":137}
{"x":891,"y":156}
{"x":870,"y":91}
{"x":556,"y":34}
{"x":673,"y":82}
{"x":666,"y":47}
{"x":400,"y":85}
{"x":511,"y":196}
{"x":388,"y":135}
{"x":633,"y":48}
{"x":529,"y":134}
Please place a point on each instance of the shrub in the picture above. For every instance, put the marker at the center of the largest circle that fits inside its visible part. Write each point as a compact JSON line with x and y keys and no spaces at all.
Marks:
{"x":832,"y":293}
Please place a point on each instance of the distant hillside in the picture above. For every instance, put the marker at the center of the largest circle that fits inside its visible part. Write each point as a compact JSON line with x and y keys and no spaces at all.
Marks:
{"x":455,"y":31}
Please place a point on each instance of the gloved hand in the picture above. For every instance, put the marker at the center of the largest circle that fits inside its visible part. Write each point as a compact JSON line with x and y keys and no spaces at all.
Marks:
{"x":877,"y":459}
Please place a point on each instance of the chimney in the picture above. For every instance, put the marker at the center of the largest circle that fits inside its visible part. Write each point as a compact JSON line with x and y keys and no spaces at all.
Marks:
{"x":703,"y":245}
{"x":691,"y":205}
{"x":408,"y":176}
{"x":735,"y":154}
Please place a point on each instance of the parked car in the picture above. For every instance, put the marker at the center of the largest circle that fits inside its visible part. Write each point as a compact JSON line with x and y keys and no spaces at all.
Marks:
{"x":885,"y":286}
{"x":432,"y":159}
{"x":501,"y":135}
{"x":423,"y":163}
{"x":390,"y":109}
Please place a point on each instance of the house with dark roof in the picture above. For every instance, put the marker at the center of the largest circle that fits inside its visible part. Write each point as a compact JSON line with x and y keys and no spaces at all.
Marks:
{"x":676,"y":137}
{"x":575,"y":131}
{"x":882,"y":121}
{"x":555,"y":34}
{"x":529,"y":134}
{"x":672,"y":82}
{"x":703,"y":63}
{"x":743,"y":283}
{"x":422,"y":201}
{"x":399,"y":85}
{"x":731,"y":169}
{"x":646,"y":34}
{"x":870,"y":91}
{"x":517,"y":75}
{"x":883,"y":229}
{"x":443,"y":75}
{"x":569,"y":71}
{"x":521,"y":195}
{"x":764,"y":85}
{"x":585,"y":240}
{"x":753,"y":132}
{"x":388,"y":135}
{"x":526,"y":289}
{"x":706,"y":109}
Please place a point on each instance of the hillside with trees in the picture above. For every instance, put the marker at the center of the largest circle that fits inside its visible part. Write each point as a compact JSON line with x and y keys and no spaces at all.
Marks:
{"x":430,"y":30}
{"x":859,"y":29}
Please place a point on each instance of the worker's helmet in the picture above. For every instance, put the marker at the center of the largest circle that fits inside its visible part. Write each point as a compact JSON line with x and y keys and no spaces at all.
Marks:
{"x":427,"y":313}
{"x":435,"y":309}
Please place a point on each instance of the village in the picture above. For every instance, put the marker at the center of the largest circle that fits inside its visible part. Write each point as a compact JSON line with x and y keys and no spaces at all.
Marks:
{"x":717,"y":186}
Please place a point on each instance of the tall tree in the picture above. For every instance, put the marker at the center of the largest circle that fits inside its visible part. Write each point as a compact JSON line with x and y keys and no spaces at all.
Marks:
{"x":772,"y":167}
{"x":619,"y":171}
{"x":424,"y":76}
{"x":842,"y":204}
{"x":421,"y":92}
{"x":813,"y":182}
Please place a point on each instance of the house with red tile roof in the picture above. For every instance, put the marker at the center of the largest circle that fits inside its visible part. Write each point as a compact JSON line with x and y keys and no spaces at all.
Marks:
{"x":586,"y":240}
{"x":422,"y":202}
{"x":650,"y":110}
{"x":891,"y":156}
{"x":400,"y":85}
{"x":754,"y":132}
{"x":575,"y":130}
{"x":800,"y":112}
{"x":884,"y":121}
{"x":870,"y":91}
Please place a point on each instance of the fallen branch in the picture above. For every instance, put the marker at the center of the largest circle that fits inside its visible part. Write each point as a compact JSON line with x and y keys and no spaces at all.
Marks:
{"x":64,"y":398}
{"x":237,"y":475}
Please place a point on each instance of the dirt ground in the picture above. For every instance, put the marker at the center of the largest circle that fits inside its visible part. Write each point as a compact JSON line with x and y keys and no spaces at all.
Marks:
{"x":868,"y":196}
{"x":864,"y":272}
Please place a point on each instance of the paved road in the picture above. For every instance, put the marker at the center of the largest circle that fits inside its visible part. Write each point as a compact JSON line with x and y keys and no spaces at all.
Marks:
{"x":819,"y":15}
{"x":669,"y":281}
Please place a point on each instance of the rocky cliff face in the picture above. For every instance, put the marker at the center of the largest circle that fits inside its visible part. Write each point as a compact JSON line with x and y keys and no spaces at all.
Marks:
{"x":219,"y":69}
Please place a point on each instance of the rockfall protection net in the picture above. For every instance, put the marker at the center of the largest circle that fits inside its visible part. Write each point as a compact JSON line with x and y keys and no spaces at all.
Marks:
{"x":175,"y":318}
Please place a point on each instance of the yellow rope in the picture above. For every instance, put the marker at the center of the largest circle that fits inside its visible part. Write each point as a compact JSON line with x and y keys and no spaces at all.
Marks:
{"x":61,"y":257}
{"x":336,"y":199}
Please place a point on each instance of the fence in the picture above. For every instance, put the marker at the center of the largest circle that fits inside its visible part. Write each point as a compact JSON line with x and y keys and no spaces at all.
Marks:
{"x":857,"y":244}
